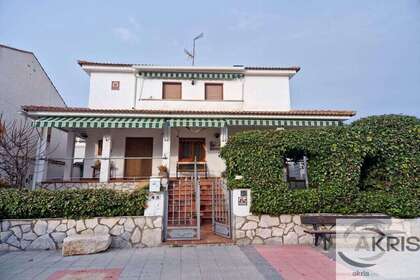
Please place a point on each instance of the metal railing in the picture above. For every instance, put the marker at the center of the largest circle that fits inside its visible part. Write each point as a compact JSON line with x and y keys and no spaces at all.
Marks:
{"x":88,"y":168}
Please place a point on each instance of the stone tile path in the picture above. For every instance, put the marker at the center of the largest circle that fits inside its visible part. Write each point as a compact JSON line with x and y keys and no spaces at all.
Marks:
{"x":174,"y":263}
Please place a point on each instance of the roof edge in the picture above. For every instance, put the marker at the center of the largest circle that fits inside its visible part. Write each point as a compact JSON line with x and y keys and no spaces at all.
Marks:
{"x":111,"y":64}
{"x":84,"y":110}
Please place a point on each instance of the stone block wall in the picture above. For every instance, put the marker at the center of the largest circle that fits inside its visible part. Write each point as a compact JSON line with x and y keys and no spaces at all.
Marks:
{"x":265,"y":229}
{"x":119,"y":186}
{"x":48,"y":234}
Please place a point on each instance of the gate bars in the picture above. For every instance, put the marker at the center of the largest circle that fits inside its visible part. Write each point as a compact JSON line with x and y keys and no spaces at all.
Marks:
{"x":221,"y":210}
{"x":182,"y":209}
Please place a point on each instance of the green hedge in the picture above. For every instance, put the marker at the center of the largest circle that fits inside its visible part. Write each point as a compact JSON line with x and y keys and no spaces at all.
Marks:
{"x":24,"y":204}
{"x":368,"y":166}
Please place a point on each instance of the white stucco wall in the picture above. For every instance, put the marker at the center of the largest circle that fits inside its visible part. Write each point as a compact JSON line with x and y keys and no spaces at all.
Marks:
{"x":266,"y":93}
{"x":253,"y":92}
{"x":102,"y":96}
{"x":24,"y":82}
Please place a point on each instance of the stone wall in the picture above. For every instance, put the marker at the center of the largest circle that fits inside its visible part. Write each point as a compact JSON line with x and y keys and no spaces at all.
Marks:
{"x":265,"y":229}
{"x":48,"y":234}
{"x":120,"y":186}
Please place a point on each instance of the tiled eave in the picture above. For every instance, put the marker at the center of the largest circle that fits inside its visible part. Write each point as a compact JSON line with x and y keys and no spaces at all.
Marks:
{"x":35,"y":111}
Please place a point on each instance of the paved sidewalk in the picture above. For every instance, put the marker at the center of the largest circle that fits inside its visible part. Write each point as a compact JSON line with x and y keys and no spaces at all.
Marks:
{"x":199,"y":262}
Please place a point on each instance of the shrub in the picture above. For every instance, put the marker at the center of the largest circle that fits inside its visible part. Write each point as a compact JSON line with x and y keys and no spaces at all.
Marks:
{"x":24,"y":204}
{"x":368,"y":166}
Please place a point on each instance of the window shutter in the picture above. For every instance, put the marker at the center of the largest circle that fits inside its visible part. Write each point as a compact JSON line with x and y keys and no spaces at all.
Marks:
{"x":214,"y":91}
{"x":172,"y":91}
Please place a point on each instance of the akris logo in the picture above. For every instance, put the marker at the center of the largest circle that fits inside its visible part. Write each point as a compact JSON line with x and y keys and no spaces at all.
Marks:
{"x":373,"y":242}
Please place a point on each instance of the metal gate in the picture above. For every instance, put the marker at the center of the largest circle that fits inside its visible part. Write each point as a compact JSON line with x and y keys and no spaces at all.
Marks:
{"x":182,"y":211}
{"x":221,"y":213}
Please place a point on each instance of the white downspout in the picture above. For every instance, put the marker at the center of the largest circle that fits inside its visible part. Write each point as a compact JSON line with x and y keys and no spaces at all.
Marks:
{"x":136,"y":76}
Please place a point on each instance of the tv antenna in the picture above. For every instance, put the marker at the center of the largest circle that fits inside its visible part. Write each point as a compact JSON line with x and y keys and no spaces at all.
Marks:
{"x":192,"y":55}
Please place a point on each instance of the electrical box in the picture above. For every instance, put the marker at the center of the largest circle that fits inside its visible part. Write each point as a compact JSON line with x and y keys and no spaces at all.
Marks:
{"x":154,"y":184}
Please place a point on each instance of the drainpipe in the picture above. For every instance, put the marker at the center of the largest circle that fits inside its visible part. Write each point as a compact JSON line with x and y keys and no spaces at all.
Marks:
{"x":136,"y":76}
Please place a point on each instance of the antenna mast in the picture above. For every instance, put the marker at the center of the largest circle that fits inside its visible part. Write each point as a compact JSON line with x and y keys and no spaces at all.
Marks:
{"x":192,"y":55}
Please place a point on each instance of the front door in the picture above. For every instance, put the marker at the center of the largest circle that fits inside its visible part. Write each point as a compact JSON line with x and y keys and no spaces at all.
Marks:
{"x":138,"y":157}
{"x":191,"y":149}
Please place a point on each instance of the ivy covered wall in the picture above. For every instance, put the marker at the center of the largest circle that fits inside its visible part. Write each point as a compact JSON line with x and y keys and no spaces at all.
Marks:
{"x":370,"y":166}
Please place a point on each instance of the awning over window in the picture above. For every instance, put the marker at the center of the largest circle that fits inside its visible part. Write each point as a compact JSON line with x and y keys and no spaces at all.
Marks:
{"x":190,"y":75}
{"x":99,"y":122}
{"x":197,"y":122}
{"x":143,"y":122}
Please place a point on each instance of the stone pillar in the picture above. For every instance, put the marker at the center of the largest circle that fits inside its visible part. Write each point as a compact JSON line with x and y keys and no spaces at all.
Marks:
{"x":166,"y":146}
{"x":41,"y":162}
{"x":223,"y":136}
{"x":105,"y":161}
{"x":68,"y":168}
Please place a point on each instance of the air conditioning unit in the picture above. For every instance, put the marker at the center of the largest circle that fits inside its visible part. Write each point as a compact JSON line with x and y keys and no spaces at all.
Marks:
{"x":154,"y":184}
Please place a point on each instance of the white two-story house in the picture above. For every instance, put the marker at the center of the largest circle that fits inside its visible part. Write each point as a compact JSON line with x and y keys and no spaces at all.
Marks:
{"x":141,"y":117}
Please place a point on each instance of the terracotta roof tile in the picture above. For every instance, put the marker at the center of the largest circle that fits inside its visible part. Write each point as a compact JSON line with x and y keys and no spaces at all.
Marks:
{"x":326,"y":113}
{"x":274,"y":68}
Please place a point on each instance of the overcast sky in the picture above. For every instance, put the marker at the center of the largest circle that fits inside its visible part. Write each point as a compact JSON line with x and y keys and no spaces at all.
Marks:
{"x":360,"y":55}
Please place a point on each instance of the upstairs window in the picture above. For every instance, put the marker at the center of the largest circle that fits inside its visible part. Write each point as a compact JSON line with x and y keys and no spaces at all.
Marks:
{"x":214,"y":91}
{"x":172,"y":91}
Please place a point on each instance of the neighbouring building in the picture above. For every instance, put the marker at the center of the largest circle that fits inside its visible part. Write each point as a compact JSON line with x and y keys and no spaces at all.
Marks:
{"x":23,"y":81}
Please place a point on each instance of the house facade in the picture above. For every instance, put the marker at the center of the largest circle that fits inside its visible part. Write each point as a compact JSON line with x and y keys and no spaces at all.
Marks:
{"x":141,"y":117}
{"x":24,"y":81}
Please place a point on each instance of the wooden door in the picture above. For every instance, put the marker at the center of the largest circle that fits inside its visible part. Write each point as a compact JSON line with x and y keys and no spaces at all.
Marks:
{"x":138,"y":147}
{"x":192,"y":148}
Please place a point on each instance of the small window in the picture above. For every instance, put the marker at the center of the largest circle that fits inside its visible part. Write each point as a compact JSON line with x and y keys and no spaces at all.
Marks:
{"x":296,"y":173}
{"x":172,"y":91}
{"x":115,"y":85}
{"x":99,"y":148}
{"x":214,"y":91}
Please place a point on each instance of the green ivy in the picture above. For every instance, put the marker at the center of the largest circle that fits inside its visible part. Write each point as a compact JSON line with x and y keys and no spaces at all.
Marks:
{"x":24,"y":204}
{"x":368,"y":166}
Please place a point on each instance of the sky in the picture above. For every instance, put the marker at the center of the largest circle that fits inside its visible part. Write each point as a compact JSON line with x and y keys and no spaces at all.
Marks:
{"x":362,"y":55}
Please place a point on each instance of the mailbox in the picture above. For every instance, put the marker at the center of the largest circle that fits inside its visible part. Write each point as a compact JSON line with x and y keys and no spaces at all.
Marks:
{"x":154,"y":184}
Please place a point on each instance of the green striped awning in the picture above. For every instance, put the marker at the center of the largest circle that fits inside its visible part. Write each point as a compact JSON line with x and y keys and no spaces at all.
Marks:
{"x":197,"y":123}
{"x":141,"y":122}
{"x":192,"y":75}
{"x":281,"y":122}
{"x":99,"y":122}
